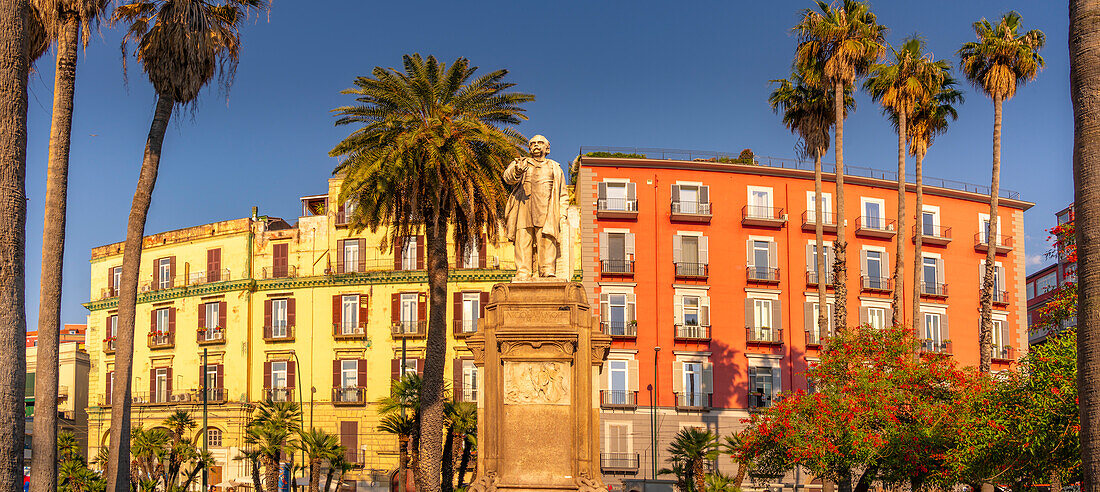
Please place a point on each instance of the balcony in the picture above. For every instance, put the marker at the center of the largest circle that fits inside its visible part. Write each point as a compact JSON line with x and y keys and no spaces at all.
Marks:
{"x":619,"y":399}
{"x":464,"y":327}
{"x":162,"y":339}
{"x":623,"y":268}
{"x":762,"y":275}
{"x":811,"y":278}
{"x":692,"y":333}
{"x":758,"y":399}
{"x":107,"y":293}
{"x":691,"y":211}
{"x":290,"y":271}
{"x":1003,"y":353}
{"x":109,"y":346}
{"x":933,"y":346}
{"x":349,"y":395}
{"x":278,"y":394}
{"x":208,"y":277}
{"x":210,"y":336}
{"x":409,"y":329}
{"x":620,"y":329}
{"x":213,"y":395}
{"x":876,"y":284}
{"x":933,"y":289}
{"x":828,"y":222}
{"x":466,"y":393}
{"x":343,"y":217}
{"x":160,"y":397}
{"x":349,"y":330}
{"x":691,"y":270}
{"x":619,"y":462}
{"x":814,"y":338}
{"x":752,"y":215}
{"x":1000,"y":297}
{"x":764,"y":335}
{"x":936,"y":235}
{"x":693,"y":402}
{"x":1001,"y":244}
{"x":279,"y":333}
{"x":154,"y":284}
{"x":617,"y":208}
{"x":876,"y":227}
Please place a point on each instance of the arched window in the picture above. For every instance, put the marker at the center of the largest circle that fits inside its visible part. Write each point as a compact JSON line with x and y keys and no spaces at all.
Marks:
{"x":214,"y":437}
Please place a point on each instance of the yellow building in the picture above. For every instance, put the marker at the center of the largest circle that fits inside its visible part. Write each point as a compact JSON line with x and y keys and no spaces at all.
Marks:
{"x":307,"y":312}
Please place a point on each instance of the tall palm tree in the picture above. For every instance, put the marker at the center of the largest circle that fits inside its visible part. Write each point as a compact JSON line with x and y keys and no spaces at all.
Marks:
{"x":401,"y":417}
{"x":269,"y":433}
{"x":252,"y":455}
{"x":1000,"y":60}
{"x":181,"y":45}
{"x":69,"y":23}
{"x":839,"y":42}
{"x":318,"y":446}
{"x":14,"y":68}
{"x":432,"y":143}
{"x":1084,"y":50}
{"x":463,"y":420}
{"x":929,"y":120}
{"x":336,"y":464}
{"x":808,"y":112}
{"x":900,"y":85}
{"x":688,"y":452}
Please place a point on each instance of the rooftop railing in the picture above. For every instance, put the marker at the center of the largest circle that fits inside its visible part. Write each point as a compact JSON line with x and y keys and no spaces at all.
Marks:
{"x":800,"y":165}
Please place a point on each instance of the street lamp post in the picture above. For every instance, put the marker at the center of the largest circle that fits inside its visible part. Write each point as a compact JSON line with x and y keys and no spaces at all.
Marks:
{"x":301,"y":420}
{"x":205,"y":428}
{"x":653,"y":421}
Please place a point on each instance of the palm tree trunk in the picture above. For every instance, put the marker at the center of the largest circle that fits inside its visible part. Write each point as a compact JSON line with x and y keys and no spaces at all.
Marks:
{"x":314,"y":474}
{"x":44,"y":442}
{"x":1084,"y":49}
{"x":899,"y":256}
{"x":840,"y":247}
{"x":431,"y":396}
{"x":271,"y":472}
{"x":448,"y":464}
{"x":13,"y":221}
{"x":464,"y":462}
{"x":822,"y":280}
{"x":1055,"y":481}
{"x":328,"y":477}
{"x":985,"y":335}
{"x":698,"y":477}
{"x":118,"y":480}
{"x":918,"y":169}
{"x":257,"y":484}
{"x":402,"y":463}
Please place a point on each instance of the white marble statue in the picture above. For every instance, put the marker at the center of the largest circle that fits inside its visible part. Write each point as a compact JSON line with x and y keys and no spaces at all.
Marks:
{"x":535,"y":213}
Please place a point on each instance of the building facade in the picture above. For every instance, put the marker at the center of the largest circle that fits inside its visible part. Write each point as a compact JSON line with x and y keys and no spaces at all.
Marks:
{"x":70,"y":333}
{"x":1044,"y":284}
{"x":704,"y":274}
{"x":74,"y":364}
{"x":312,"y":312}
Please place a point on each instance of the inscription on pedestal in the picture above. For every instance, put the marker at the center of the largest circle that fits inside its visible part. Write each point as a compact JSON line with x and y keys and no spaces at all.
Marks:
{"x":544,"y":383}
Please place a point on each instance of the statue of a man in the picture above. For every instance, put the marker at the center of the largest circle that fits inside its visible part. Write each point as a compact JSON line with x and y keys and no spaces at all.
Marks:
{"x":536,"y":209}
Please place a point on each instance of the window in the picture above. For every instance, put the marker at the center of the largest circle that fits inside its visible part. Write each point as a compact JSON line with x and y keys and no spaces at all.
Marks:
{"x":690,"y":255}
{"x":811,"y":323}
{"x":279,"y":318}
{"x":164,"y":273}
{"x":279,"y":375}
{"x":876,"y":317}
{"x":410,"y":366}
{"x":349,"y":318}
{"x":160,"y":385}
{"x":617,"y":382}
{"x":280,"y":259}
{"x":349,"y":373}
{"x":931,"y":274}
{"x":116,"y":280}
{"x":617,"y":252}
{"x":617,"y":454}
{"x":616,"y":196}
{"x":469,"y":381}
{"x":471,"y":309}
{"x":762,"y":320}
{"x":212,"y":376}
{"x":930,"y":223}
{"x":828,"y":249}
{"x":349,"y":210}
{"x":409,"y":254}
{"x":693,"y":384}
{"x":691,"y":310}
{"x":761,"y":260}
{"x":987,"y":230}
{"x":874,"y":270}
{"x":1030,"y":290}
{"x":690,"y":199}
{"x":691,"y":313}
{"x":932,"y":338}
{"x":760,"y":203}
{"x":1046,"y":283}
{"x":873,"y":217}
{"x":213,"y":316}
{"x":762,"y":391}
{"x":164,"y":317}
{"x":112,"y":327}
{"x":351,"y":256}
{"x":826,"y":206}
{"x":617,"y":315}
{"x":214,"y":437}
{"x":1000,"y":347}
{"x":470,"y":253}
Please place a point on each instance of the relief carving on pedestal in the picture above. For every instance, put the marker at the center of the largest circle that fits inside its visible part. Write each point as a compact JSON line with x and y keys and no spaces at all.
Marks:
{"x":544,"y":383}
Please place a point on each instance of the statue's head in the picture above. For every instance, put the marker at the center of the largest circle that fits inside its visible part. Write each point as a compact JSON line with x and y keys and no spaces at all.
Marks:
{"x":539,"y":146}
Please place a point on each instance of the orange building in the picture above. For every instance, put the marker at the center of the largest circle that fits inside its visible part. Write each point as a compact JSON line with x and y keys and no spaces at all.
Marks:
{"x":706,"y":265}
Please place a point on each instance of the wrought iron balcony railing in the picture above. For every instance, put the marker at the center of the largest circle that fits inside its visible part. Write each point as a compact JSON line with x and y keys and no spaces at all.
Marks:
{"x":162,"y":339}
{"x":762,"y":274}
{"x":693,"y":401}
{"x":290,"y":271}
{"x":933,"y":289}
{"x":811,"y":278}
{"x":764,"y":335}
{"x":619,"y":462}
{"x":409,"y":329}
{"x":278,"y":394}
{"x":879,"y":284}
{"x":210,"y":335}
{"x":620,"y":329}
{"x":279,"y":332}
{"x":691,"y":270}
{"x":617,"y":267}
{"x":931,"y":345}
{"x":349,"y":395}
{"x":692,"y":207}
{"x":692,"y":332}
{"x":618,"y":399}
{"x":465,"y":327}
{"x":348,"y":330}
{"x":617,"y":205}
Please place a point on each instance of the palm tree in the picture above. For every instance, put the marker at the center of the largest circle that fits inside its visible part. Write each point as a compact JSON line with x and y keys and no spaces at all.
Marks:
{"x":463,"y":420}
{"x":429,"y":156}
{"x":689,"y":451}
{"x":808,"y":112}
{"x":404,"y":427}
{"x":900,"y":85}
{"x":839,"y":43}
{"x":13,"y":219}
{"x":252,"y":456}
{"x":999,"y":61}
{"x":181,"y":45}
{"x":1084,"y":79}
{"x":65,"y":21}
{"x":269,"y":432}
{"x":929,"y":120}
{"x":318,"y":446}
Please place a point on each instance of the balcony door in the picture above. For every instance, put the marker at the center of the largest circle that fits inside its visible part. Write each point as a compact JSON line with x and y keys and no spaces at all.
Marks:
{"x":932,"y":331}
{"x":617,"y":382}
{"x":409,"y":312}
{"x":349,"y":319}
{"x":471,"y":308}
{"x":760,"y":204}
{"x":872,"y":215}
{"x":616,"y":197}
{"x":160,"y":385}
{"x":693,"y":384}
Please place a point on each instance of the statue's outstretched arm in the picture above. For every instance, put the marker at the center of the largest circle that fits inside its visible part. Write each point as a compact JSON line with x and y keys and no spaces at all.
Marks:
{"x":514,"y":173}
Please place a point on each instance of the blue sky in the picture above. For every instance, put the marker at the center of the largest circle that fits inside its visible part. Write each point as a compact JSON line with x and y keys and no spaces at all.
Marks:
{"x":689,"y":75}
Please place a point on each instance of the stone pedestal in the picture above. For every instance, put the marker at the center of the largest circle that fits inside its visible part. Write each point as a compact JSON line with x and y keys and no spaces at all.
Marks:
{"x":539,"y":350}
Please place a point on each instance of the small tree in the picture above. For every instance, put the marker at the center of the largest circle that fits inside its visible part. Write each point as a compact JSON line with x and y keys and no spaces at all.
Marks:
{"x":690,"y":451}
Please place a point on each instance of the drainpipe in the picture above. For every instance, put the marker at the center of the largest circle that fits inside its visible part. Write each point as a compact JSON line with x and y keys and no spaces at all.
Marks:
{"x":248,"y":315}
